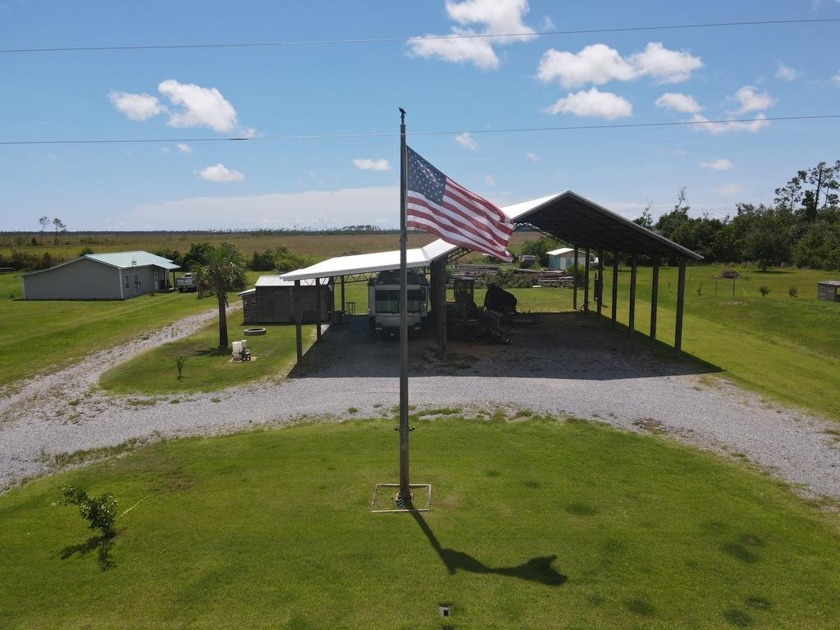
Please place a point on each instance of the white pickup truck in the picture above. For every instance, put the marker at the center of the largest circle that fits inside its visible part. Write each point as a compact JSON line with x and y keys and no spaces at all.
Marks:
{"x":186,"y":283}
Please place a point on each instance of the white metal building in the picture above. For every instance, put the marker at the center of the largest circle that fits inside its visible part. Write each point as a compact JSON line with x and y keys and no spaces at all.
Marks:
{"x":114,"y":276}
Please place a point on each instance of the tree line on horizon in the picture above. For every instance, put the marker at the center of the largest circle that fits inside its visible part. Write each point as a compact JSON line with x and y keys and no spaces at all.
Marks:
{"x":801,"y":228}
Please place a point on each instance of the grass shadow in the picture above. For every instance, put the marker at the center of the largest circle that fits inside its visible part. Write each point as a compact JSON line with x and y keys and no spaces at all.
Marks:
{"x":212,"y":352}
{"x":102,"y":545}
{"x":537,"y":569}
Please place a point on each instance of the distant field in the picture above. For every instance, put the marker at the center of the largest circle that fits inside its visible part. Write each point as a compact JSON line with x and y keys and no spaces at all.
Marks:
{"x":315,"y":247}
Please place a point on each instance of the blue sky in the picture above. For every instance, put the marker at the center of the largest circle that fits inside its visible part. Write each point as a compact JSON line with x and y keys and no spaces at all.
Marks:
{"x":535,"y":97}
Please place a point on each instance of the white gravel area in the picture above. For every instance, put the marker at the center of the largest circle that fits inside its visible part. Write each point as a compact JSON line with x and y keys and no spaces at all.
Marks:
{"x":566,"y":366}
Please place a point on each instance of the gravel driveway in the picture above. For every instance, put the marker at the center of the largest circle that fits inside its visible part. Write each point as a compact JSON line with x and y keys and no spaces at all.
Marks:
{"x":567,"y":364}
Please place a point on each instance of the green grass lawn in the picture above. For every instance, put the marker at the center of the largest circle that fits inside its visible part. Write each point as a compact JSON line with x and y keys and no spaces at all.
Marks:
{"x":45,"y":335}
{"x":206,"y":368}
{"x":534,"y":524}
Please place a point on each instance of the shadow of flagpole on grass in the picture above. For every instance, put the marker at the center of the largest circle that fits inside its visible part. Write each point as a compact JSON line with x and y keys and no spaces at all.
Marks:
{"x":536,"y":569}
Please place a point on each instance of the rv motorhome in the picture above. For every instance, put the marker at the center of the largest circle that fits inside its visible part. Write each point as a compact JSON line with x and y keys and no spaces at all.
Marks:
{"x":384,"y":302}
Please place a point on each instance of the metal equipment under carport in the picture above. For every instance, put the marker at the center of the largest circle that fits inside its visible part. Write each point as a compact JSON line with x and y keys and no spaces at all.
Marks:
{"x":567,"y":217}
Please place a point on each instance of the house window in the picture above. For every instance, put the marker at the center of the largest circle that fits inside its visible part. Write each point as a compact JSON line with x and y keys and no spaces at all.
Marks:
{"x":136,"y":281}
{"x":127,"y":284}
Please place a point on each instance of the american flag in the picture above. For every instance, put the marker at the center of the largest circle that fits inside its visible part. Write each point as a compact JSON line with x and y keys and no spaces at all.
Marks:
{"x":439,"y":205}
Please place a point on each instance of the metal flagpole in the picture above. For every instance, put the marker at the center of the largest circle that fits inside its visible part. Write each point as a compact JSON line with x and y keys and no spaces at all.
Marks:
{"x":405,"y":489}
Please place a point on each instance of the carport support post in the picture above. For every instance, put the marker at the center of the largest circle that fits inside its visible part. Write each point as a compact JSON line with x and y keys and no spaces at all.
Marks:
{"x":318,"y":309}
{"x":680,"y":306}
{"x":654,"y":298}
{"x":343,"y":302}
{"x":599,"y":287}
{"x":575,"y":279}
{"x":586,"y":282}
{"x":438,"y":300}
{"x":298,"y":335}
{"x":631,"y":319}
{"x":615,"y":289}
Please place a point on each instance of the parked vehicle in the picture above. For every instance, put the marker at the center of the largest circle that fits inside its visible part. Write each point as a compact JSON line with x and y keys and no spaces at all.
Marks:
{"x":186,"y":283}
{"x":384,"y":302}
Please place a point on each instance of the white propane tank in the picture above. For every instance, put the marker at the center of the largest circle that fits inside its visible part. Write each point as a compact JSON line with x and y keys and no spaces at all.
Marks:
{"x":237,"y":349}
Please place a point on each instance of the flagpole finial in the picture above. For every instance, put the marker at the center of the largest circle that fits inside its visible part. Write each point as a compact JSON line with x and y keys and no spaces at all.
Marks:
{"x":402,"y":114}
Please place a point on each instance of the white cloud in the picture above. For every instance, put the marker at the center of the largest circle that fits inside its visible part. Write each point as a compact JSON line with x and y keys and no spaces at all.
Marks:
{"x":192,"y":106}
{"x":533,"y":157}
{"x":138,"y":107}
{"x":596,"y":64}
{"x":201,"y":107}
{"x":366,"y":164}
{"x":721,"y":164}
{"x":185,"y":148}
{"x":599,"y":64}
{"x":751,"y":101}
{"x":679,"y":102}
{"x":718,"y":127}
{"x":786,"y":73}
{"x":502,"y":24}
{"x":593,"y":103}
{"x":220,"y":174}
{"x":166,"y":150}
{"x":500,"y":17}
{"x":456,"y":49}
{"x":466,"y":141}
{"x":665,"y":66}
{"x":489,"y":180}
{"x":836,"y":79}
{"x":316,"y":209}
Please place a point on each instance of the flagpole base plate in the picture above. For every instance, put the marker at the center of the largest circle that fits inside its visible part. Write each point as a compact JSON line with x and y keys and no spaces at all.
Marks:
{"x":386,"y":500}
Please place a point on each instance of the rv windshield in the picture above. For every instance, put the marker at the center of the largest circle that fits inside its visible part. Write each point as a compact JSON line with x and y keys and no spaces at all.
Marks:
{"x":388,"y":300}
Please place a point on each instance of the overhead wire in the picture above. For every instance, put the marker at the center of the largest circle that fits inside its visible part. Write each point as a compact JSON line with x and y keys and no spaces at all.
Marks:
{"x":339,"y":136}
{"x":392,"y":40}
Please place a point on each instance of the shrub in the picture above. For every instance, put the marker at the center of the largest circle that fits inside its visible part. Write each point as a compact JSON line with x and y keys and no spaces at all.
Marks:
{"x":764,"y":290}
{"x":101,"y":512}
{"x":179,"y":363}
{"x":793,"y":292}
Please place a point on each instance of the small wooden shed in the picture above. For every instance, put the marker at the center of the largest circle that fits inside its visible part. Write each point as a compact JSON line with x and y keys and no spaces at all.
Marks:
{"x":829,"y":290}
{"x":271,"y":301}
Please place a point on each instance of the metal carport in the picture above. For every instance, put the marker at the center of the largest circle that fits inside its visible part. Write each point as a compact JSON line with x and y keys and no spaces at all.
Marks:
{"x":566,"y":216}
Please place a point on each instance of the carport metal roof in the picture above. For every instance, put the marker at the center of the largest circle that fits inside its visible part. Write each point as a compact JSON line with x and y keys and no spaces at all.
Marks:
{"x":576,"y":220}
{"x":371,"y":263}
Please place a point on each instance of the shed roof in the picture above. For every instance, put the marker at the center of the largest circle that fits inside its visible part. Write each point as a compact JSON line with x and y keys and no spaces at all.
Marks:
{"x":119,"y":260}
{"x":561,"y":251}
{"x":279,"y":281}
{"x":126,"y":260}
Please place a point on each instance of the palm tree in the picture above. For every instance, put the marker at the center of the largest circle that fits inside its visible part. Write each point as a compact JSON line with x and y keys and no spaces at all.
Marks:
{"x":224,"y":271}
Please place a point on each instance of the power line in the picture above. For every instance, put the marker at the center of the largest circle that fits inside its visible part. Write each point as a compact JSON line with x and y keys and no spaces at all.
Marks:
{"x":345,"y":136}
{"x":391,"y":40}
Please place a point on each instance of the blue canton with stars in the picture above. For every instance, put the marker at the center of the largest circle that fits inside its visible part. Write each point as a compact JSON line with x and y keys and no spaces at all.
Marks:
{"x":425,"y":179}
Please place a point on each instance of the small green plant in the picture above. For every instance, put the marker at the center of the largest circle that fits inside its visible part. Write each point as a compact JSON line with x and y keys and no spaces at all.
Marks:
{"x":764,"y":290}
{"x":793,"y":292}
{"x":100,"y":512}
{"x":180,"y":362}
